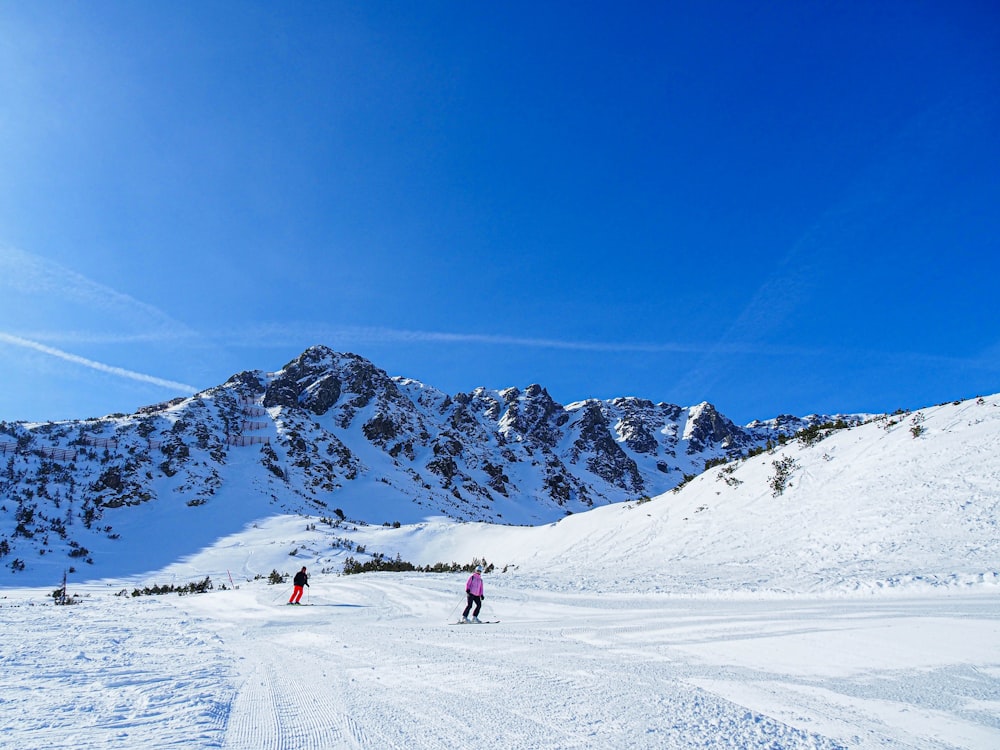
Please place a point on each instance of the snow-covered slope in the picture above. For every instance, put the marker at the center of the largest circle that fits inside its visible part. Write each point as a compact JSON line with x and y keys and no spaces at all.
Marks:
{"x":872,"y":506}
{"x":909,"y":501}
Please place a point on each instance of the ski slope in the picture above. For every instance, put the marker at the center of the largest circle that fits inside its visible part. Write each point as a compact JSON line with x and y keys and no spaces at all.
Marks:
{"x":370,"y":662}
{"x":857,"y":608}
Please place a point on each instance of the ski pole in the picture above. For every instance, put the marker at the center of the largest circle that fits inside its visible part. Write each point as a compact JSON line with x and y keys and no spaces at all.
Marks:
{"x":455,"y":611}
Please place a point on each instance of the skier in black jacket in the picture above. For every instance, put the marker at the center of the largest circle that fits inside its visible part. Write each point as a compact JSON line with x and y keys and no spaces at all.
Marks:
{"x":301,"y":579}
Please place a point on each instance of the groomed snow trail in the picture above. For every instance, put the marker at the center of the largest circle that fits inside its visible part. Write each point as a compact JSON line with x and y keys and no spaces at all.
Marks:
{"x":383,"y":670}
{"x":372,"y":663}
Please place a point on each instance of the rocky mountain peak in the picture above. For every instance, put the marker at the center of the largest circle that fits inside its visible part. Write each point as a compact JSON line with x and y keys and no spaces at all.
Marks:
{"x":707,"y":428}
{"x":311,"y":435}
{"x":318,"y":378}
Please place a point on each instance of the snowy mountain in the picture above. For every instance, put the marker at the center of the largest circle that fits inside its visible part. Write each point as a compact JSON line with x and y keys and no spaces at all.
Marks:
{"x":331,"y":434}
{"x":906,"y":502}
{"x":836,"y":590}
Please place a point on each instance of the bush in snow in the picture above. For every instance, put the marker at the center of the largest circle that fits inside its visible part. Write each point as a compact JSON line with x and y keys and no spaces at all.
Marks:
{"x":783,"y":469}
{"x":726,"y":475}
{"x":275,"y":578}
{"x":196,"y":587}
{"x":380,"y":563}
{"x":60,"y":597}
{"x":713,"y":462}
{"x":814,"y":433}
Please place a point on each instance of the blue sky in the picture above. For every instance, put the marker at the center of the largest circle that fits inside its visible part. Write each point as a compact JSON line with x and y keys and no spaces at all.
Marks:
{"x":776,"y":207}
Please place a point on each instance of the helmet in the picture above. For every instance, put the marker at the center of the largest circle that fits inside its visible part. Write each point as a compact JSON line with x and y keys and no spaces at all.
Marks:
{"x":479,"y":568}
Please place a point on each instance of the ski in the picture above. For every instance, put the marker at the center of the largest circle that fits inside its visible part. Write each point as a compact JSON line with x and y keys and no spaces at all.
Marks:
{"x":481,"y":622}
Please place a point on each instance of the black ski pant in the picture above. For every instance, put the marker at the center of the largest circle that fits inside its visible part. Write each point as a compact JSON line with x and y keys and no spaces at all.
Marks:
{"x":473,"y":599}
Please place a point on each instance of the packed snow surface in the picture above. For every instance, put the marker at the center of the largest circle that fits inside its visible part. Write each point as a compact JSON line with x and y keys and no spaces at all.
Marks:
{"x":371,"y":661}
{"x":851,"y":600}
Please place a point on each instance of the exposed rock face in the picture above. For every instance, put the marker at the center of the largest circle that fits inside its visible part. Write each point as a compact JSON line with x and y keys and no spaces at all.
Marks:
{"x":707,"y":428}
{"x":532,"y":416}
{"x":327,"y":420}
{"x":318,"y":379}
{"x":600,"y":452}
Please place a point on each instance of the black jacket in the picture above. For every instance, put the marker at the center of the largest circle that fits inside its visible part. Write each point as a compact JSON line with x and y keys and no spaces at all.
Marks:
{"x":301,"y":579}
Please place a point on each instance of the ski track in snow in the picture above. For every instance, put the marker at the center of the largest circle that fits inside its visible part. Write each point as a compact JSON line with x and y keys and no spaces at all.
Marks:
{"x":121,"y":673}
{"x":472,"y":694}
{"x":373,"y":663}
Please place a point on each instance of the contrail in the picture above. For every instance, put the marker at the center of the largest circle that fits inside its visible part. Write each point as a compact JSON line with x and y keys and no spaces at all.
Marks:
{"x":28,"y":274}
{"x":110,"y":369}
{"x":267,"y":335}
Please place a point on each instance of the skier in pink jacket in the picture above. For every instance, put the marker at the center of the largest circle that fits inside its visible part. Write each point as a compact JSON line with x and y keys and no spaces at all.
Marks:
{"x":474,"y":592}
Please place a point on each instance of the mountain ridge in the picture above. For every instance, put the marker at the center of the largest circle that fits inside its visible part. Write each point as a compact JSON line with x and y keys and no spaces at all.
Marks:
{"x":333,"y":434}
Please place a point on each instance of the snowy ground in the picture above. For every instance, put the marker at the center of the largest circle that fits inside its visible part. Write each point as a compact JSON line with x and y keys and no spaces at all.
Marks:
{"x":373,"y":662}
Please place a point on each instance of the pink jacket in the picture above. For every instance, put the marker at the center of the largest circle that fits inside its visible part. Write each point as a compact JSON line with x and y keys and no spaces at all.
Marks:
{"x":474,"y":585}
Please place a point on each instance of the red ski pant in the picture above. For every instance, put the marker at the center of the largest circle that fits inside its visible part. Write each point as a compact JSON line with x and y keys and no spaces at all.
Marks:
{"x":296,"y":594}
